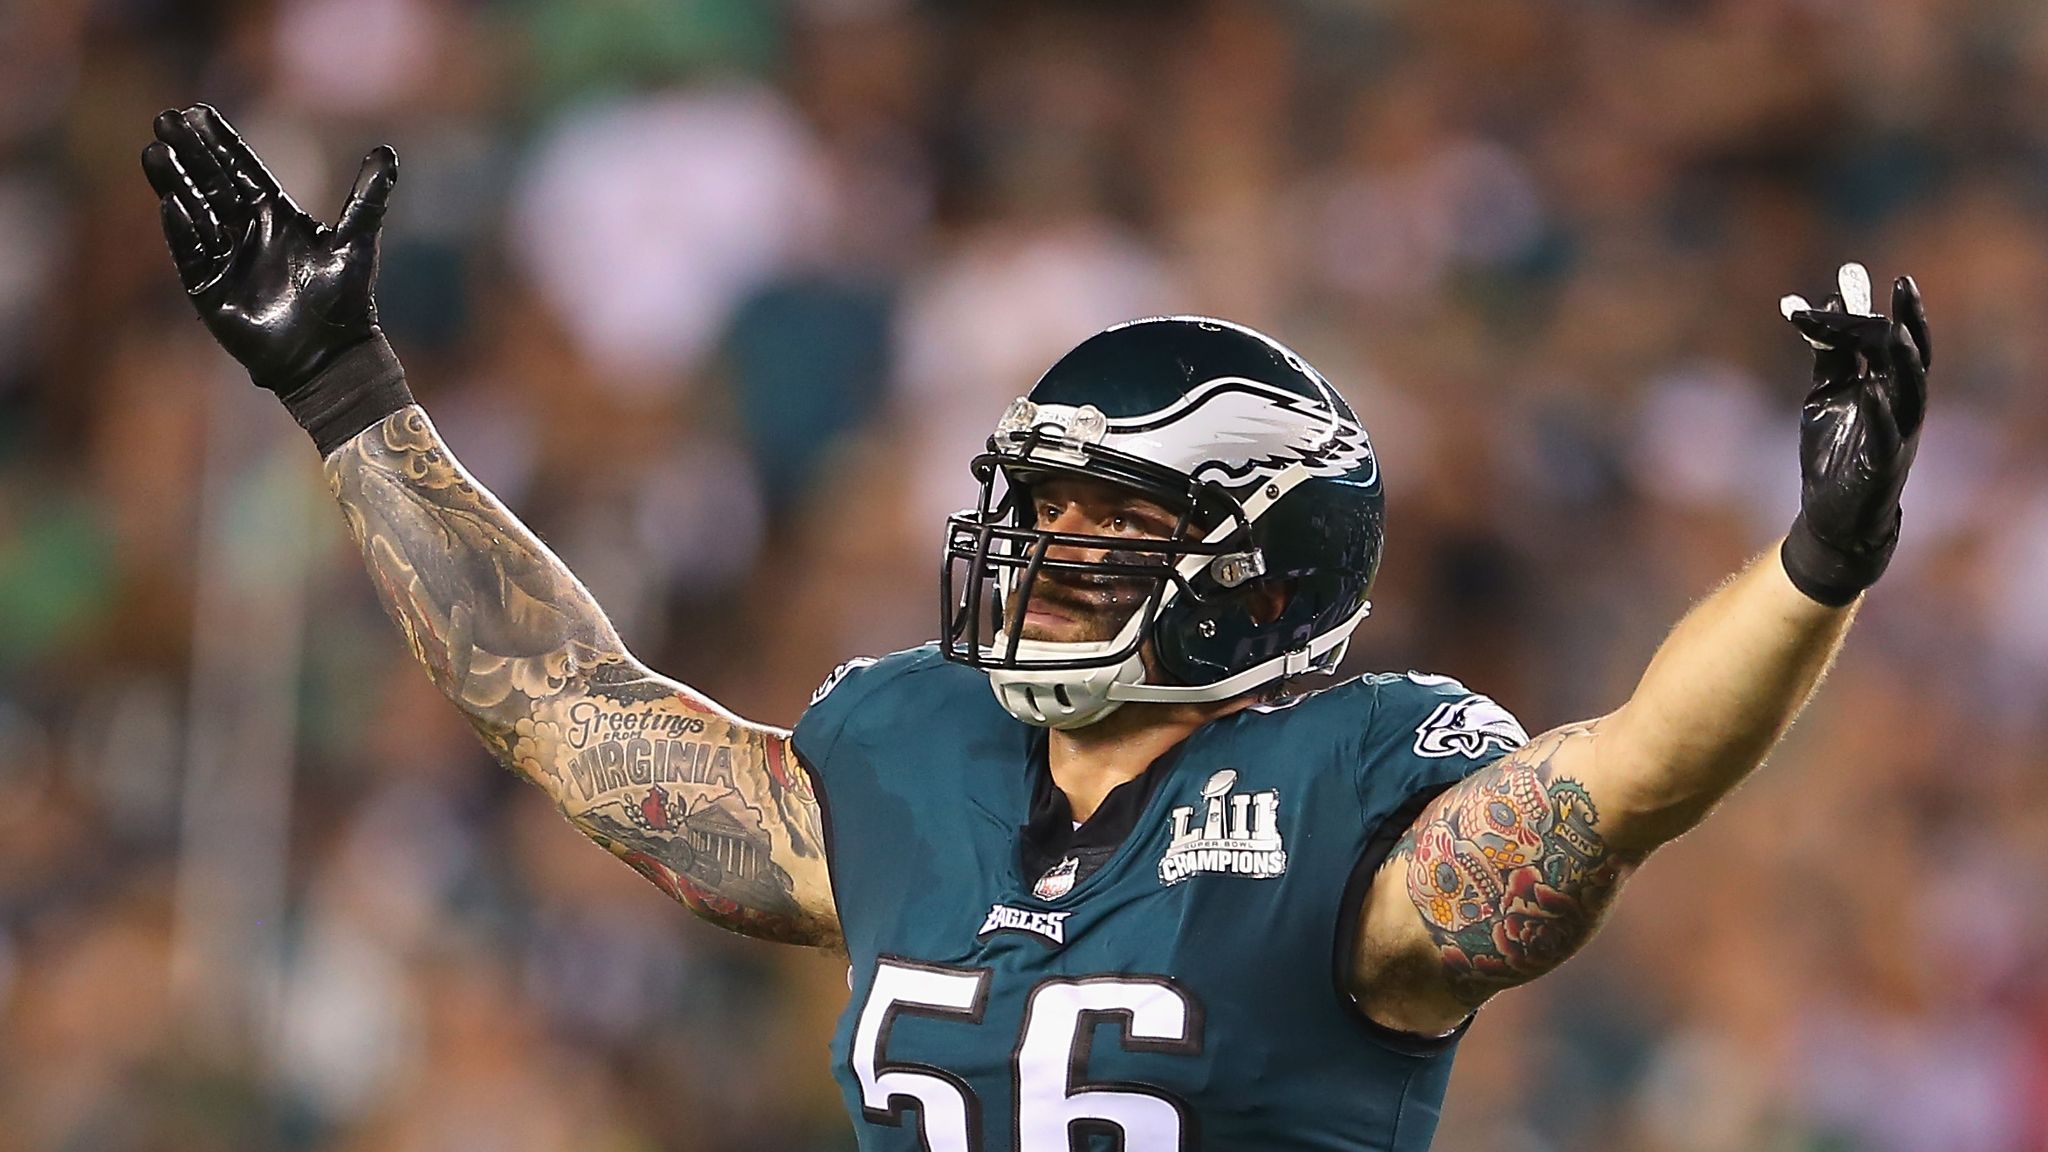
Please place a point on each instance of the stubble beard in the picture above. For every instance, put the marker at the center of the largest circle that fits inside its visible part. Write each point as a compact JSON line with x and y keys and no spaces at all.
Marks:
{"x":1095,"y":610}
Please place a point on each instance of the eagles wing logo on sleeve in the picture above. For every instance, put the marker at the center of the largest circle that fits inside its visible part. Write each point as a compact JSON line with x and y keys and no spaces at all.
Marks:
{"x":1235,"y":431}
{"x":1468,"y":727}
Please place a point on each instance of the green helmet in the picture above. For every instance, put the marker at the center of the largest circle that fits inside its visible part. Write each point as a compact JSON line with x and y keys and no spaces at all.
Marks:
{"x":1273,"y":480}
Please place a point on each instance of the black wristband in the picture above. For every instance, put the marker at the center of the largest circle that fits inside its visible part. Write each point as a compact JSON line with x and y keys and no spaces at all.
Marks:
{"x":362,"y":386}
{"x":1831,"y":575}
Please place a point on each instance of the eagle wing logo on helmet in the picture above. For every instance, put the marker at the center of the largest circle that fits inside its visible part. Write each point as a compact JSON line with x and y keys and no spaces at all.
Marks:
{"x":1235,"y":431}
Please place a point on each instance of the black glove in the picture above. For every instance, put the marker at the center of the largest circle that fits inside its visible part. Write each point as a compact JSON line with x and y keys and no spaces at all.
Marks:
{"x":286,"y":295}
{"x":1858,"y":431}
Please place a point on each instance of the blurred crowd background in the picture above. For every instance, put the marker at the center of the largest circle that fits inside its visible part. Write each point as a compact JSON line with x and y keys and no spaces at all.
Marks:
{"x":720,"y":294}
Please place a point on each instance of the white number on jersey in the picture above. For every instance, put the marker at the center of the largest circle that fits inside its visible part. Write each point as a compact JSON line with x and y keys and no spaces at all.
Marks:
{"x":946,"y":1110}
{"x":1049,"y":1064}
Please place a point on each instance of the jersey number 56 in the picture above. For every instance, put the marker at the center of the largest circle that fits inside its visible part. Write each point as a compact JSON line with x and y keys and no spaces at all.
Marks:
{"x":1054,"y":1103}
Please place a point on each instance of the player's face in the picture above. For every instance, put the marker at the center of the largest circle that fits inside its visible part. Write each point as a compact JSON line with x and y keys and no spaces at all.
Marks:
{"x":1070,"y":607}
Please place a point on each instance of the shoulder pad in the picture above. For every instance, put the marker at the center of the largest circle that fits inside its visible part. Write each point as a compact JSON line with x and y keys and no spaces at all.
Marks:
{"x":840,"y":673}
{"x":835,"y":701}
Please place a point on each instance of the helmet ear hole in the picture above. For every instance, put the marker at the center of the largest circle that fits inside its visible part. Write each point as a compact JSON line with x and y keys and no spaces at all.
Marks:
{"x":1266,"y":600}
{"x":1202,"y":641}
{"x":1193,"y":646}
{"x":1197,"y":649}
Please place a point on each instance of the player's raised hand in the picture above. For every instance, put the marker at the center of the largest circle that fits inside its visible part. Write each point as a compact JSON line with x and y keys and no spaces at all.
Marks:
{"x":1859,"y":429}
{"x":288,"y":296}
{"x":284,"y":293}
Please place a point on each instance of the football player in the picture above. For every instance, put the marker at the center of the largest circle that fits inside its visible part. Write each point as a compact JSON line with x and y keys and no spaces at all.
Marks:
{"x":1106,"y":874}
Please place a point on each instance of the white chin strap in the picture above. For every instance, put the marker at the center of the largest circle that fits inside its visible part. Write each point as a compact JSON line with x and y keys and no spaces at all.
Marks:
{"x":1062,"y":699}
{"x":1079,"y":697}
{"x":1076,"y":699}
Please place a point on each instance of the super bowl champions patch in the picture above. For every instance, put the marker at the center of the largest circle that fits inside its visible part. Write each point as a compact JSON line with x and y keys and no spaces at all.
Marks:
{"x":1229,"y":833}
{"x":1469,"y":728}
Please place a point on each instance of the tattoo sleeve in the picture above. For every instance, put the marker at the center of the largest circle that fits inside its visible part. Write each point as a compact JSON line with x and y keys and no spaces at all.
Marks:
{"x":1509,"y":870}
{"x":710,"y":808}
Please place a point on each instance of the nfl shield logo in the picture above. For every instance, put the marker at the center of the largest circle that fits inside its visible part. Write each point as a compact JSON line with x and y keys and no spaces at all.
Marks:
{"x":1057,"y":881}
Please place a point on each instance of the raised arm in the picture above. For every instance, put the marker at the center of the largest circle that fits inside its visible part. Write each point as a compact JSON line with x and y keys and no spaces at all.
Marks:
{"x":711,"y":808}
{"x":1509,"y":872}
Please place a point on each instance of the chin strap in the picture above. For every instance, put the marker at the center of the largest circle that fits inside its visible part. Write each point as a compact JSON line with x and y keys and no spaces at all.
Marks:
{"x":1062,"y":699}
{"x":1321,"y":654}
{"x":1069,"y":700}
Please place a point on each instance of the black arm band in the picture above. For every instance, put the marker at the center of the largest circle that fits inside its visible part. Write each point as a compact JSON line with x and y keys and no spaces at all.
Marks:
{"x":1828,"y":574}
{"x":363,"y":385}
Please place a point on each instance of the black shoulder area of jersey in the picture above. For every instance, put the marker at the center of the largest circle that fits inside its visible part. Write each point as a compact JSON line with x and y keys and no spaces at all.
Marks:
{"x":883,"y":690}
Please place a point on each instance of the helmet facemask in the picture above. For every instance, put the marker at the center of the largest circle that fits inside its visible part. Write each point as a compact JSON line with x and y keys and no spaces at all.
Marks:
{"x":998,"y":562}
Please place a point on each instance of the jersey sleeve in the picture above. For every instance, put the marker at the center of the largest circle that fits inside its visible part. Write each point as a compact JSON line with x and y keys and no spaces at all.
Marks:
{"x":1428,"y":732}
{"x":838,"y":701}
{"x":831,"y":706}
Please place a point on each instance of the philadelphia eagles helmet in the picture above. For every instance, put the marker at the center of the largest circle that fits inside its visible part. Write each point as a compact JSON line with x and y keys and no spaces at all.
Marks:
{"x":1271,"y":476}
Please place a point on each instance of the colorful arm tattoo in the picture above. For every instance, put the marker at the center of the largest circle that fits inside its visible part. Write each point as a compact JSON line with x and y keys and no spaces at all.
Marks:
{"x":1509,"y":870}
{"x":712,"y":809}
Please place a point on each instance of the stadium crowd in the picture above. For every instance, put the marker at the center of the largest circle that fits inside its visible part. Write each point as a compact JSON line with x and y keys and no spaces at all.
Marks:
{"x":719,"y":295}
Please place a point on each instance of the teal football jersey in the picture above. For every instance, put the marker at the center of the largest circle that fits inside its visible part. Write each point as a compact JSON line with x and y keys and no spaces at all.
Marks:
{"x":1186,"y":993}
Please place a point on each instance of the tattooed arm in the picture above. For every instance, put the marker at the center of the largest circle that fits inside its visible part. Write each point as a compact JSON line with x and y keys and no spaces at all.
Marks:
{"x":1509,"y":872}
{"x":712,"y":809}
{"x":707,"y":806}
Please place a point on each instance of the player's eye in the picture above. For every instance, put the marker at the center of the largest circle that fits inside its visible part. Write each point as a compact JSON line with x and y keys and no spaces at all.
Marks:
{"x":1119,"y":523}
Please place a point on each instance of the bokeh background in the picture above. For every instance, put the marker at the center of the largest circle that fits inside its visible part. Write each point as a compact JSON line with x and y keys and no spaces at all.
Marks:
{"x":719,"y":295}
